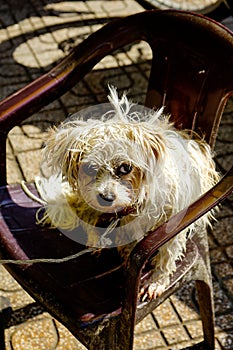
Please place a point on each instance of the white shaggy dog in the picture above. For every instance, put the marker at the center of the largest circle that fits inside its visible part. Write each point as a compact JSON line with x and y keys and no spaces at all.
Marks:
{"x":122,"y":174}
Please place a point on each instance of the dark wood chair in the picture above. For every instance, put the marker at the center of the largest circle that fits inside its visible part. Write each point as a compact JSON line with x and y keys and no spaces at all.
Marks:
{"x":192,"y":75}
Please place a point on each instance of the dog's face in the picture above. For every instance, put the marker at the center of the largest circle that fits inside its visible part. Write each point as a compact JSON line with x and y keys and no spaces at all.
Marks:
{"x":106,"y":165}
{"x":111,"y":185}
{"x":106,"y":172}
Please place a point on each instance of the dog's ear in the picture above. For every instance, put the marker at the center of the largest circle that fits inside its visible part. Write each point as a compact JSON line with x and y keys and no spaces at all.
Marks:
{"x":156,"y":145}
{"x":59,"y":148}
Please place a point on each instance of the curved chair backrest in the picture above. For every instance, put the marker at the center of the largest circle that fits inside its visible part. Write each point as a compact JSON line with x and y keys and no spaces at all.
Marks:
{"x":191,"y":74}
{"x":191,"y":70}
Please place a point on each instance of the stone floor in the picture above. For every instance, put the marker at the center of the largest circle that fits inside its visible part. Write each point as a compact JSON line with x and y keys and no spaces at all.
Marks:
{"x":33,"y":37}
{"x":186,"y":5}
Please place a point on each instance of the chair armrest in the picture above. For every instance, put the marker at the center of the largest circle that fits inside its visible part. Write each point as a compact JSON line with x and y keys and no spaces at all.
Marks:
{"x":149,"y":245}
{"x":30,"y":99}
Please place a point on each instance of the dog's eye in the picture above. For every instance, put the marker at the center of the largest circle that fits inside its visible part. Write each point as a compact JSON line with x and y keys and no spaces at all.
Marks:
{"x":123,"y":169}
{"x":89,"y":169}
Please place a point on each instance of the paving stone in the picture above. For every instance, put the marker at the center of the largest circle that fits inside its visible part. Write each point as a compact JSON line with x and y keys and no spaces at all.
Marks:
{"x":147,"y":324}
{"x":24,"y":140}
{"x":147,"y":341}
{"x":17,"y":298}
{"x":39,"y":334}
{"x":225,"y":322}
{"x":217,"y":255}
{"x":166,"y":315}
{"x":7,"y":282}
{"x":30,"y":164}
{"x":175,"y":334}
{"x":226,"y":341}
{"x":229,"y":251}
{"x":224,"y":226}
{"x":195,"y":329}
{"x":221,"y":301}
{"x":14,"y":174}
{"x":183,"y":303}
{"x":223,"y":269}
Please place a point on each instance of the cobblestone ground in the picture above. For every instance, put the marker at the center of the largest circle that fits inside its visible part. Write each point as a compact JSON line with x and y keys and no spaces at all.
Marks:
{"x":34,"y":35}
{"x":186,"y":5}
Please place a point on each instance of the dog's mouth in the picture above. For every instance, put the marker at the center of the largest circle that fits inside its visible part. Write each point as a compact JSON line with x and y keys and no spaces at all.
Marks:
{"x":106,"y":218}
{"x":109,"y":203}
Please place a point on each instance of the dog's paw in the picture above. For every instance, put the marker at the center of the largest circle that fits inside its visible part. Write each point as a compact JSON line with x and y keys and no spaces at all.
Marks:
{"x":153,"y":290}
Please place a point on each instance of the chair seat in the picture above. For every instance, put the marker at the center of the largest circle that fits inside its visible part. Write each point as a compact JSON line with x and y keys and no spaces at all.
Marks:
{"x":89,"y":284}
{"x":95,"y":287}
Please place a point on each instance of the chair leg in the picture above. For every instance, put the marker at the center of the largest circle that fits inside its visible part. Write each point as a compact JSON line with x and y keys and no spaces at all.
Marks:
{"x":2,"y":336}
{"x":109,"y":336}
{"x":104,"y":338}
{"x":205,"y":301}
{"x":5,"y":311}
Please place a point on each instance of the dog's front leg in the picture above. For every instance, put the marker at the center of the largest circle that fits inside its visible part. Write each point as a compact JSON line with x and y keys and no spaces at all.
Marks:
{"x":158,"y":281}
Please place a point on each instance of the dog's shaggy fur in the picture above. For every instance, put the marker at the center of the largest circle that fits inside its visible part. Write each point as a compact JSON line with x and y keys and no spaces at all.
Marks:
{"x":127,"y":172}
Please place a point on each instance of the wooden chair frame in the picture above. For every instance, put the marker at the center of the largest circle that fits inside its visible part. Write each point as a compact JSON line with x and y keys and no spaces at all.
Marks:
{"x":192,"y":75}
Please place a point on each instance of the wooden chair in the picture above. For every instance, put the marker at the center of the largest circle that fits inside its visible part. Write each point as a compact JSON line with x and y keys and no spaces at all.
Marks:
{"x":192,"y":75}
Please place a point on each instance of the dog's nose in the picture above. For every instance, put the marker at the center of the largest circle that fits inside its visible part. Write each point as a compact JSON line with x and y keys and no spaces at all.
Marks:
{"x":106,"y":199}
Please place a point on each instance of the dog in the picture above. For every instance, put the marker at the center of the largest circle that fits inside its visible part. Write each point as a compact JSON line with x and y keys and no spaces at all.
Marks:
{"x":121,"y":174}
